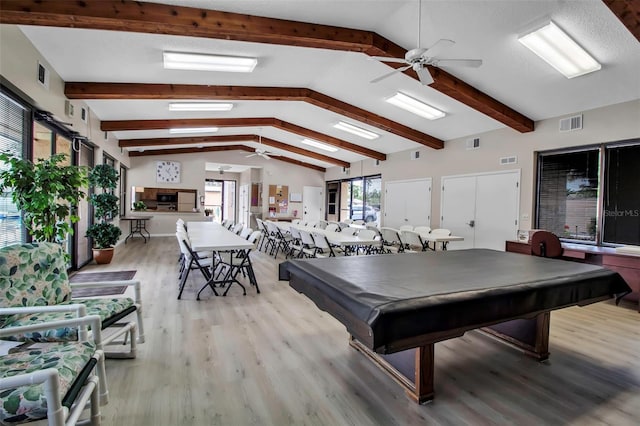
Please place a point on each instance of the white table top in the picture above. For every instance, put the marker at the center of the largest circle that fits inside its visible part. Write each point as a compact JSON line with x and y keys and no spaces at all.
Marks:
{"x":335,"y":238}
{"x":427,"y":236}
{"x":211,"y":236}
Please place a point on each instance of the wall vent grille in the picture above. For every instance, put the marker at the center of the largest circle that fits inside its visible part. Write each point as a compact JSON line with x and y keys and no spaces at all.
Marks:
{"x":504,"y":161}
{"x":571,"y":123}
{"x":473,"y":143}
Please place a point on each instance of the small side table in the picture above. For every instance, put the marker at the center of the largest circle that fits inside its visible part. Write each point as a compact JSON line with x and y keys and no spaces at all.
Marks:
{"x":137,"y":225}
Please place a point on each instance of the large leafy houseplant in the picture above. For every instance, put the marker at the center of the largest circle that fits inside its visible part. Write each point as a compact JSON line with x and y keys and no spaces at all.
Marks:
{"x":104,"y":234}
{"x":47,"y":192}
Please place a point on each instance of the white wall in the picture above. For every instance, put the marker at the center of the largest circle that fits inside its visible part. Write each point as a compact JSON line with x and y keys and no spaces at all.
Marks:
{"x":19,"y":64}
{"x":607,"y":124}
{"x":274,"y":172}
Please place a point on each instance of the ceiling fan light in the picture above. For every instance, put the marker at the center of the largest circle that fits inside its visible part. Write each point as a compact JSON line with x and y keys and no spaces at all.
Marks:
{"x":560,"y":51}
{"x":415,"y":106}
{"x":202,"y":62}
{"x":319,"y":145}
{"x":355,"y":130}
{"x":183,"y":130}
{"x":200,"y":106}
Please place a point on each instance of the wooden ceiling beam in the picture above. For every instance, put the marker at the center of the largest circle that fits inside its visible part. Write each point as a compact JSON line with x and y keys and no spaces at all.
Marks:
{"x":110,"y":91}
{"x":628,"y":12}
{"x":134,"y":143}
{"x":173,"y":151}
{"x":153,"y":18}
{"x":169,"y":151}
{"x":125,"y":125}
{"x":301,"y":151}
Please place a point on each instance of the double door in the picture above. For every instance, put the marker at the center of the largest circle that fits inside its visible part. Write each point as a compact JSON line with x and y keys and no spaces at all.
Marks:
{"x":407,"y":202}
{"x":482,"y":208}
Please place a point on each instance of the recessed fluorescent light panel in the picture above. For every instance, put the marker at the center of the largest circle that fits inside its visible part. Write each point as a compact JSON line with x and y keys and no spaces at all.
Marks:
{"x":319,"y":145}
{"x":559,"y":50}
{"x":358,"y":131}
{"x":415,"y":106}
{"x":200,"y":62}
{"x":200,"y":106}
{"x":182,"y":130}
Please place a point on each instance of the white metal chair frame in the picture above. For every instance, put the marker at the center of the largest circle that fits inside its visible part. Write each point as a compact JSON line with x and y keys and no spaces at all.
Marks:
{"x":93,"y":393}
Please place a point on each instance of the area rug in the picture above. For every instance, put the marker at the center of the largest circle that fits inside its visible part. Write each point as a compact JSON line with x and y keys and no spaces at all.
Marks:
{"x":92,"y":277}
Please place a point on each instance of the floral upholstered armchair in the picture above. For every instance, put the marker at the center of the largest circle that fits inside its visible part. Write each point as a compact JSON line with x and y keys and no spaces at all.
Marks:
{"x":34,"y":288}
{"x":56,"y":381}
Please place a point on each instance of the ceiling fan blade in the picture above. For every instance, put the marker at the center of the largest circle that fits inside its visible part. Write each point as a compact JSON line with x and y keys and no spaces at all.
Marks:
{"x":265,"y":156}
{"x":250,"y":155}
{"x":382,"y":77}
{"x":385,"y":59}
{"x":472,"y":63}
{"x":424,"y":75}
{"x":438,"y":47}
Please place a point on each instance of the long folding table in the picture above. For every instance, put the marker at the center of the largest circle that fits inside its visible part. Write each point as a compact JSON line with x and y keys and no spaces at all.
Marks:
{"x":334,"y":238}
{"x":211,"y":236}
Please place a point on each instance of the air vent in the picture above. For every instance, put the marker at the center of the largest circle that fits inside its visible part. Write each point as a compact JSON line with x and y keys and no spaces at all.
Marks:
{"x":43,"y":75}
{"x":473,"y":143}
{"x":415,"y":155}
{"x":571,"y":123}
{"x":68,"y":108}
{"x":83,"y":114}
{"x":508,"y":160}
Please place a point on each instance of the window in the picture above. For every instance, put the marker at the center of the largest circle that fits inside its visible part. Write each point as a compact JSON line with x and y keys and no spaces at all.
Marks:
{"x":13,"y":123}
{"x":123,"y":190}
{"x":110,"y":161}
{"x":622,"y":195}
{"x":583,"y":199}
{"x":357,"y":198}
{"x":568,"y":194}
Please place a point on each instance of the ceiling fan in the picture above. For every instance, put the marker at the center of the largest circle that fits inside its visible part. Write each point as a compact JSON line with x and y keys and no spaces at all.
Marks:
{"x":222,"y":168}
{"x":419,"y":58}
{"x":262,"y":152}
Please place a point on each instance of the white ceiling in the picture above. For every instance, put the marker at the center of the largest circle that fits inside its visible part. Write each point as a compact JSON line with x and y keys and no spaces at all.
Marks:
{"x":484,"y":29}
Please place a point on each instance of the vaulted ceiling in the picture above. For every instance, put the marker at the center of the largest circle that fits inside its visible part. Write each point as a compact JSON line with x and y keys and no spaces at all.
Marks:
{"x":314,"y":69}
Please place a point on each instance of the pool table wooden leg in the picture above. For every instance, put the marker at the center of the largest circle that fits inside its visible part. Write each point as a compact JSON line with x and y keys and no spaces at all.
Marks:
{"x":412,"y":368}
{"x":529,"y":335}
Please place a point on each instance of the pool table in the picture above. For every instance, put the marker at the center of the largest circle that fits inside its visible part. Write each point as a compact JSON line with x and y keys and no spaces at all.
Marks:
{"x":396,"y":307}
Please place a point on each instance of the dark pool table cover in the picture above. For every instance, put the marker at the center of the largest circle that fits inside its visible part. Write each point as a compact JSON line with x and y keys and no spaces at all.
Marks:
{"x":407,"y":295}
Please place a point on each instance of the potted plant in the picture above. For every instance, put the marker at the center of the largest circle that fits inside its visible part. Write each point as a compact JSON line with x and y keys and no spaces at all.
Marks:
{"x":47,"y":192}
{"x":208,"y":212}
{"x":139,"y":206}
{"x":104,"y":234}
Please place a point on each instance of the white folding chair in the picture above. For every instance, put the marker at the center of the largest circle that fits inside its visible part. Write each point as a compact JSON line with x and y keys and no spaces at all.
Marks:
{"x":391,"y":240}
{"x":406,"y":228}
{"x":332,"y":227}
{"x":412,"y":241}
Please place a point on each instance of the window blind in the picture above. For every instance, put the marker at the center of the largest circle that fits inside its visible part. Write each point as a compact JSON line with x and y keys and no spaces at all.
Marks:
{"x":567,"y":202}
{"x":12,"y":124}
{"x":622,"y":195}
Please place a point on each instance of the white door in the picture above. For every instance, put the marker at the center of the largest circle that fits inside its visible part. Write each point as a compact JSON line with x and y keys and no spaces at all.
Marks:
{"x":483,"y":208}
{"x":407,"y":203}
{"x":312,"y":203}
{"x":458,"y":203}
{"x":243,"y":204}
{"x":497,"y":206}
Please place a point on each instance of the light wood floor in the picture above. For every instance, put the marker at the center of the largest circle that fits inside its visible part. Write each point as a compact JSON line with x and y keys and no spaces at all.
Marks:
{"x":276,"y":359}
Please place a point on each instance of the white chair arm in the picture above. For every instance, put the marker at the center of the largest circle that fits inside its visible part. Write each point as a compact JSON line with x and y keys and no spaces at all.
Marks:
{"x":74,"y":307}
{"x":92,"y":320}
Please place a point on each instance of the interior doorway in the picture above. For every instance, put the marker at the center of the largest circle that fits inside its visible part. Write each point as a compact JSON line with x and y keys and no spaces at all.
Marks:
{"x":220,"y":198}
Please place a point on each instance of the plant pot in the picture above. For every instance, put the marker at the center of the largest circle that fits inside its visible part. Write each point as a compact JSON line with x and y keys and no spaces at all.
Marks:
{"x":103,"y":256}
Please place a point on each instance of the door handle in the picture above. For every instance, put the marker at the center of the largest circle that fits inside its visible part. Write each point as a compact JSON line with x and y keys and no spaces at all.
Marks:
{"x":472,"y":223}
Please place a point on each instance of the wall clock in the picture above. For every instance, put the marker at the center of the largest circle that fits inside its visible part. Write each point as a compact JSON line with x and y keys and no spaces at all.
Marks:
{"x":168,"y":171}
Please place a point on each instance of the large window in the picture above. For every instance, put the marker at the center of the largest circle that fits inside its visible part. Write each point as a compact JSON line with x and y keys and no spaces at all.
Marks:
{"x":355,"y":199}
{"x":584,"y":199}
{"x":568,"y":194}
{"x":622,"y":195}
{"x":13,"y":125}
